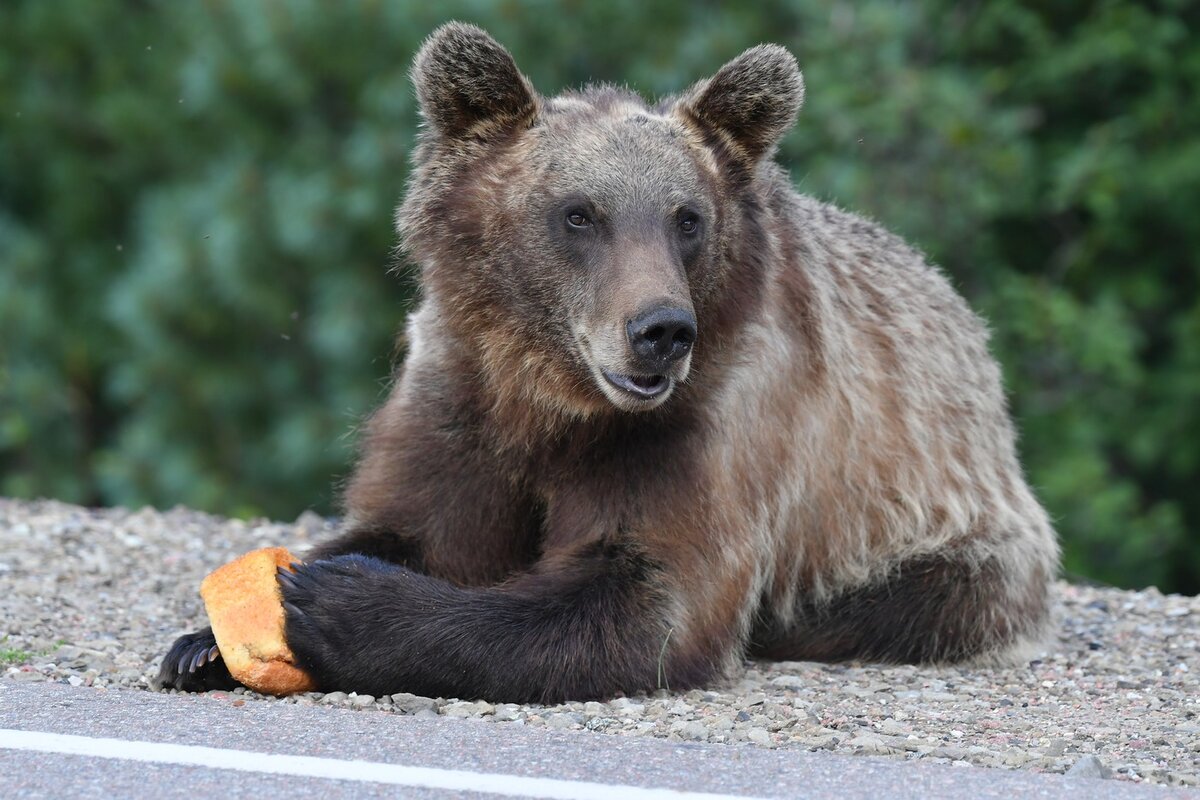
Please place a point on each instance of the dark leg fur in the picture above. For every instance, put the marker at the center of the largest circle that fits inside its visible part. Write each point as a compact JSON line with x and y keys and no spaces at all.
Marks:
{"x":585,"y":625}
{"x":932,"y":609}
{"x":376,"y":543}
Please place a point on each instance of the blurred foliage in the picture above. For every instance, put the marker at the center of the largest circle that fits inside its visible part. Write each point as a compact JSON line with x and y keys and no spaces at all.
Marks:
{"x":195,"y":232}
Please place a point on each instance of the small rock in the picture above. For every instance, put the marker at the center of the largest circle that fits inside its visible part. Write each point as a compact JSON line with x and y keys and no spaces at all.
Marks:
{"x":951,"y":753}
{"x":407,"y":703}
{"x":506,"y":712}
{"x":28,"y":677}
{"x":563,"y":721}
{"x":759,"y":736}
{"x":869,"y":743}
{"x":694,"y":731}
{"x":362,"y":700}
{"x":464,"y":709}
{"x":680,"y":709}
{"x":823,"y":741}
{"x":331,"y":699}
{"x":1056,"y":747}
{"x":752,"y":699}
{"x":1089,"y":767}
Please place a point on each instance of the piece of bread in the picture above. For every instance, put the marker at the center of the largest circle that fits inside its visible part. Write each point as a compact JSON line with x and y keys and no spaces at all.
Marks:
{"x":245,"y":608}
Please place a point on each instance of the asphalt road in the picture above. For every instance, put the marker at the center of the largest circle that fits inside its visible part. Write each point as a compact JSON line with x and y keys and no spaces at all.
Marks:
{"x":58,"y":741}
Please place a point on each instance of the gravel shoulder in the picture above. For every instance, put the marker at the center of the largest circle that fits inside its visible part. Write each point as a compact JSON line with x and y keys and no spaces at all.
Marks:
{"x":95,"y":597}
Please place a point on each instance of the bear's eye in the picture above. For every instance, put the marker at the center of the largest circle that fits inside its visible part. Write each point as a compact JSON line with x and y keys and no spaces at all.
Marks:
{"x":578,"y":219}
{"x":689,"y":223}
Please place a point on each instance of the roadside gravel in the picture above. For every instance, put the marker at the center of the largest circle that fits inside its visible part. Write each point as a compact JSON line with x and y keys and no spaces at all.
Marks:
{"x":95,"y":597}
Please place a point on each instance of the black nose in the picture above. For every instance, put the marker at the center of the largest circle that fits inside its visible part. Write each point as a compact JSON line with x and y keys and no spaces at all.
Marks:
{"x":662,"y":335}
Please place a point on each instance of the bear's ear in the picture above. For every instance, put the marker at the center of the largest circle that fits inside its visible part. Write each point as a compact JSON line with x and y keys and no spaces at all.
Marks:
{"x":469,"y":85}
{"x":750,"y":103}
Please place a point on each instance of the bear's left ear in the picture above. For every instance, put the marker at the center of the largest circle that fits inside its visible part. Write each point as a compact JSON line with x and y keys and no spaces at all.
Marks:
{"x":468,"y":84}
{"x":750,"y":103}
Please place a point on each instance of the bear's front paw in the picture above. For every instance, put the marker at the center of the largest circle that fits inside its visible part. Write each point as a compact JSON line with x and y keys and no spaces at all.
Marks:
{"x":194,"y":664}
{"x":327,"y":608}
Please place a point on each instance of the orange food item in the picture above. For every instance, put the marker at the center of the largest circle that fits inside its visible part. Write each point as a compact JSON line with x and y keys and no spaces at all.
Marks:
{"x":245,"y":608}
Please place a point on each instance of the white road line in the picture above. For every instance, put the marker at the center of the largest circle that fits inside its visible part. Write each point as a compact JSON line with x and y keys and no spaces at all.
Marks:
{"x":335,"y":769}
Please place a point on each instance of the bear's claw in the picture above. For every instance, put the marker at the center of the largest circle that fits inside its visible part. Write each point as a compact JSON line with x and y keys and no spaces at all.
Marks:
{"x":286,"y":576}
{"x":194,"y":664}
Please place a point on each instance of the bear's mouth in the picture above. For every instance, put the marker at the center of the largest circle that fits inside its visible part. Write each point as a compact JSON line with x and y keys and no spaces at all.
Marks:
{"x":644,"y":387}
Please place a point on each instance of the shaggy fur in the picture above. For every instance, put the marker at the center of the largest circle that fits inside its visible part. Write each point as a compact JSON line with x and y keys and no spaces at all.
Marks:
{"x":828,"y":472}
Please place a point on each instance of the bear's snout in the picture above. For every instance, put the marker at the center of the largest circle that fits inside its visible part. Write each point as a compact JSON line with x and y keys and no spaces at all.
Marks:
{"x":661,"y":336}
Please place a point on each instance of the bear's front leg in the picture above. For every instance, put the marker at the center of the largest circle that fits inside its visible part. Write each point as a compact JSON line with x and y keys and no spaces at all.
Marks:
{"x":588,"y":623}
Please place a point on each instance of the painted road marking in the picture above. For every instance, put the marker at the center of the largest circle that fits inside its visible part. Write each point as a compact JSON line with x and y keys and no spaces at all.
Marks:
{"x":335,"y":769}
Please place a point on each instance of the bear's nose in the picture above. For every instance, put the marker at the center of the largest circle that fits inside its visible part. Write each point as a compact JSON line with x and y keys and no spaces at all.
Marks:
{"x":662,"y":335}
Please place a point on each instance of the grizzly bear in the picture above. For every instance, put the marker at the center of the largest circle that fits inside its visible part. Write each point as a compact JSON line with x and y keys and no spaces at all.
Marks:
{"x":658,"y":413}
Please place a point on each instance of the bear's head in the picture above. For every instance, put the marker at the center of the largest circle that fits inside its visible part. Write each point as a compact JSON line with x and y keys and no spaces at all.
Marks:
{"x":583,"y":249}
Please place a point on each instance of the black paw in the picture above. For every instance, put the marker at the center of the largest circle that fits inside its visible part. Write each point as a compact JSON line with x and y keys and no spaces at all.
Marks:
{"x":328,"y":607}
{"x":194,"y":664}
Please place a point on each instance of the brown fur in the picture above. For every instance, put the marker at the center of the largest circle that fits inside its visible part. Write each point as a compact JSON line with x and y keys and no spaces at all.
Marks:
{"x":830,"y":473}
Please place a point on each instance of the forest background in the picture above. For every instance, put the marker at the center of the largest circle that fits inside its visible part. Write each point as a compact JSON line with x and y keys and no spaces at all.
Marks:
{"x":199,"y":294}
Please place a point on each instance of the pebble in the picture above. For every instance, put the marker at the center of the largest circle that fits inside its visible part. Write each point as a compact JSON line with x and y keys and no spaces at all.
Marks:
{"x":563,"y":721}
{"x":759,"y":736}
{"x":413,"y":704}
{"x":361,"y":700}
{"x":752,"y":699}
{"x":1089,"y":767}
{"x":867,"y":743}
{"x":506,"y":712}
{"x":27,"y":677}
{"x":462,"y":710}
{"x":1056,"y":747}
{"x":1115,"y":693}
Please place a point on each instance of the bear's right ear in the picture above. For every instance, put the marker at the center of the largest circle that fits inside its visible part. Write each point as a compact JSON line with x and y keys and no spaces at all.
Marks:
{"x":750,"y":103}
{"x":468,"y":84}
